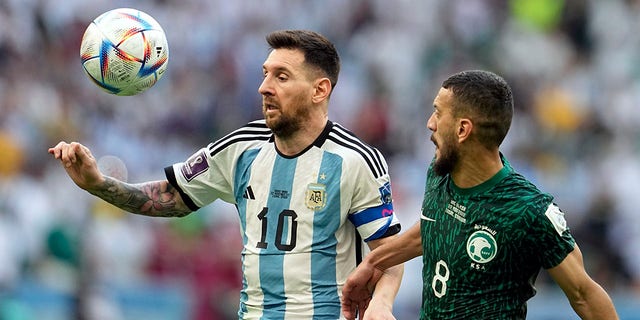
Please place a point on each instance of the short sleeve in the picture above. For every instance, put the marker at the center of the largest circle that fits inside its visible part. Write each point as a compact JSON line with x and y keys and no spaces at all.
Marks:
{"x":552,"y":237}
{"x":201,"y":179}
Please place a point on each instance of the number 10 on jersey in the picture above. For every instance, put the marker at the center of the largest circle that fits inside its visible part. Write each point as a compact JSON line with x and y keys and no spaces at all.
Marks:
{"x":286,"y":222}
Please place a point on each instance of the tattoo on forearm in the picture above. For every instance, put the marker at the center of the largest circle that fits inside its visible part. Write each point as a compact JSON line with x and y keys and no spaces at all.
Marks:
{"x":157,"y":199}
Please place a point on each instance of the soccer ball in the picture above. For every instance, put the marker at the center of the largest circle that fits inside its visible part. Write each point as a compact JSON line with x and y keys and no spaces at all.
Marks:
{"x":124,"y":51}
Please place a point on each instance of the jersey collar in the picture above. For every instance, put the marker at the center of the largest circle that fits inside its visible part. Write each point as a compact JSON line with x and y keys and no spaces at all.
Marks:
{"x":506,"y":169}
{"x":317,"y":143}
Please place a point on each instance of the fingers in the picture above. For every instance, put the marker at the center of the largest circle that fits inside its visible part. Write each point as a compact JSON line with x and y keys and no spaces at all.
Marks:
{"x":57,"y":150}
{"x":69,"y":153}
{"x":349,"y":310}
{"x":355,"y":299}
{"x":362,"y":306}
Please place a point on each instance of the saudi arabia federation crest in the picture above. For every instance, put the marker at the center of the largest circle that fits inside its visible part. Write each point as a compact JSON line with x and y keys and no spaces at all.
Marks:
{"x":316,"y":196}
{"x":481,"y":246}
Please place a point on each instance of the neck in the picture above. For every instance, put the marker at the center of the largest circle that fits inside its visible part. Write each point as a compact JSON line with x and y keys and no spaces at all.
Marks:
{"x":475,"y":168}
{"x":303,"y":138}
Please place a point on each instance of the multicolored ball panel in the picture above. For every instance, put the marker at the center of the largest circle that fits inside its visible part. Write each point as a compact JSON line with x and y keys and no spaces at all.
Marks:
{"x":124,"y":51}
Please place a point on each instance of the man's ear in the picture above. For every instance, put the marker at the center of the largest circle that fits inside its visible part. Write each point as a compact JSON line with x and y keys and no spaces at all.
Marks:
{"x":321,"y":90}
{"x":465,"y":126}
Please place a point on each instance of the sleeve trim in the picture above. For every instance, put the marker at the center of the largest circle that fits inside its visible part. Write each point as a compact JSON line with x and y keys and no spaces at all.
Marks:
{"x":171,"y":177}
{"x":391,"y":230}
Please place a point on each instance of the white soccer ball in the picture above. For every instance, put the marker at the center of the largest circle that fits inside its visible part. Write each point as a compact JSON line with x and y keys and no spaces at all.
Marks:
{"x":124,"y":51}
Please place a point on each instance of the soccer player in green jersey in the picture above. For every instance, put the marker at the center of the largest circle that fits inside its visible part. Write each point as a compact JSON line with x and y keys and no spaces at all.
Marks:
{"x":485,"y":230}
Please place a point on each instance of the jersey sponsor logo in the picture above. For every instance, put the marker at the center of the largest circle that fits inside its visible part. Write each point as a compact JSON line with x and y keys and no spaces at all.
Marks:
{"x":556,"y":216}
{"x":481,"y":246}
{"x":316,"y":196}
{"x":195,"y":165}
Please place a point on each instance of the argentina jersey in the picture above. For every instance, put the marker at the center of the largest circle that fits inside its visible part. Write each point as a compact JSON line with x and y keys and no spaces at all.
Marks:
{"x":301,"y":217}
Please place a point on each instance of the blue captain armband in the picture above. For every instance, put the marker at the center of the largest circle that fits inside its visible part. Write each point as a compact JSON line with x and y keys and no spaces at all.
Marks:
{"x":379,"y":217}
{"x":380,"y":233}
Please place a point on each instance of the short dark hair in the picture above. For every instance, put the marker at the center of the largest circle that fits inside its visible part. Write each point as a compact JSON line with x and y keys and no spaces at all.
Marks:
{"x":486,"y":99}
{"x":318,"y":51}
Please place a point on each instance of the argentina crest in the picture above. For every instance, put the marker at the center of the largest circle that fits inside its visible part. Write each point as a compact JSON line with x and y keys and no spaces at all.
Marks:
{"x":316,"y":196}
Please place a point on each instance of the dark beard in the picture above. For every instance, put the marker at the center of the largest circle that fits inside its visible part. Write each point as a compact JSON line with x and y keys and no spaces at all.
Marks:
{"x":285,"y":126}
{"x":288,"y":124}
{"x":447,"y":161}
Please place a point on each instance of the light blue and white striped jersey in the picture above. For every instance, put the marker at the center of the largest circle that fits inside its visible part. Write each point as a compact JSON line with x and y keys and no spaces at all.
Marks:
{"x":298,"y":215}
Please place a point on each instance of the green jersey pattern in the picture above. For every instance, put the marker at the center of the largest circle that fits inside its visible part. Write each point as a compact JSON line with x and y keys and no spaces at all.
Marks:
{"x":484,"y":246}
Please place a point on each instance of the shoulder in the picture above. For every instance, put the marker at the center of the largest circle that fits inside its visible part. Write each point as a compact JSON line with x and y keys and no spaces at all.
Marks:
{"x":351,"y":148}
{"x":250,"y":135}
{"x":515,"y":187}
{"x":520,"y":187}
{"x":523,"y":198}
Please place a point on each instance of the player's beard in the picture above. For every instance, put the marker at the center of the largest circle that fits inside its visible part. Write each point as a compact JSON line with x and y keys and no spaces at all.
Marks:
{"x":449,"y":156}
{"x":286,"y":124}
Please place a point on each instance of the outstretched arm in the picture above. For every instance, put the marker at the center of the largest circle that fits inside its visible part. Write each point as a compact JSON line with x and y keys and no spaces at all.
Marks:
{"x":155,"y":198}
{"x":357,"y":290}
{"x":587,"y":298}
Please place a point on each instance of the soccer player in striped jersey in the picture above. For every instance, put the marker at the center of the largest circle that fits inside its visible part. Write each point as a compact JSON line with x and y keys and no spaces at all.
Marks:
{"x":307,"y":190}
{"x":485,"y":231}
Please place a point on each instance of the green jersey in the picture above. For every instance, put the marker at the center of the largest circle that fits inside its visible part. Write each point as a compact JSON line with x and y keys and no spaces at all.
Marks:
{"x":484,"y":246}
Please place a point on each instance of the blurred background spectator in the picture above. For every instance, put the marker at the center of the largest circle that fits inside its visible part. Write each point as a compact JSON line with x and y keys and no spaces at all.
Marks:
{"x":575,"y":70}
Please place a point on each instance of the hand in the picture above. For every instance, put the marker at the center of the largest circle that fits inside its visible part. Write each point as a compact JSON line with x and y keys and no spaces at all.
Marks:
{"x":378,"y":310}
{"x":79,"y":163}
{"x":357,"y":290}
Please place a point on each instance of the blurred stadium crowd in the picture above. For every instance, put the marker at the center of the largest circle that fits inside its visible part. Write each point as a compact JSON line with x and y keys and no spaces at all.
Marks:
{"x":574,"y":66}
